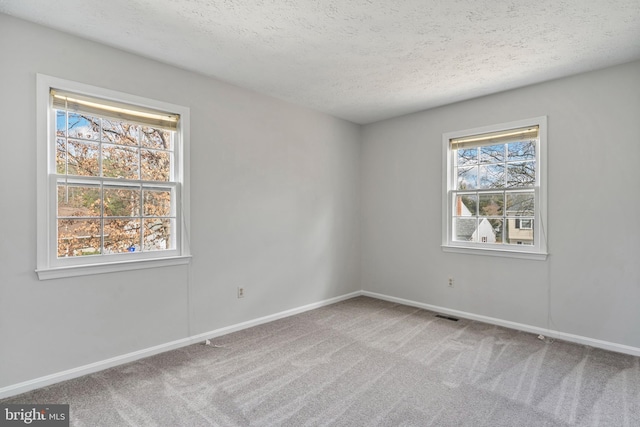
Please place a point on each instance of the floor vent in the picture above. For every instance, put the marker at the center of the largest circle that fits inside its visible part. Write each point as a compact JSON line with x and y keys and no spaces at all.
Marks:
{"x":442,"y":316}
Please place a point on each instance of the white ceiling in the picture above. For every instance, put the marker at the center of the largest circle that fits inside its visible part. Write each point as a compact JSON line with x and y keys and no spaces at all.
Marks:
{"x":361,"y":60}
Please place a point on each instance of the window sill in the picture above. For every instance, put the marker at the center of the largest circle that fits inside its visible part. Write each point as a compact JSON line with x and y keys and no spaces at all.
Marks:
{"x":538,"y":256}
{"x":91,"y":269}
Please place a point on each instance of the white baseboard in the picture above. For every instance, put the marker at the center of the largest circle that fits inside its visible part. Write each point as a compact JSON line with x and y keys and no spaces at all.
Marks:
{"x":26,"y":386}
{"x":271,"y":317}
{"x":29,"y":385}
{"x":578,"y":339}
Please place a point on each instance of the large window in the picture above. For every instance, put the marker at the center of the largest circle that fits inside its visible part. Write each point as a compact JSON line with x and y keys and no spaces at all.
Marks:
{"x":494,"y":194}
{"x":112,"y":188}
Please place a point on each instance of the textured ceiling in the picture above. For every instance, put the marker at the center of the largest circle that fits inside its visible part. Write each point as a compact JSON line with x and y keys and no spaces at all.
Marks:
{"x":361,"y":60}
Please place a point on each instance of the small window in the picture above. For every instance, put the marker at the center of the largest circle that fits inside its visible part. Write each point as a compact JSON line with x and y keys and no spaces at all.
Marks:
{"x":524,"y":224}
{"x":112,"y":181}
{"x":494,"y":191}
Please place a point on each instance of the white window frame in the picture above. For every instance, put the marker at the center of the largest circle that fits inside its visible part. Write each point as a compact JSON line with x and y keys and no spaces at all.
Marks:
{"x":49,"y":266}
{"x":537,"y":251}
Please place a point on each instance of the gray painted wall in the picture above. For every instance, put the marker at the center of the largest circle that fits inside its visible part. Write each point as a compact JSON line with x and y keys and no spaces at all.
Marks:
{"x":590,"y":284}
{"x":274,"y":208}
{"x":298,"y":207}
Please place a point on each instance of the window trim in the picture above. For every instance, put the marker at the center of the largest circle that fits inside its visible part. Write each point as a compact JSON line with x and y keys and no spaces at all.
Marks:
{"x":538,"y":251}
{"x":48,"y":265}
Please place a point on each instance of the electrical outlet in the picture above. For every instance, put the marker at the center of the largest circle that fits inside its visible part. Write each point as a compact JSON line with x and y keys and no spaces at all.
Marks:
{"x":240,"y":292}
{"x":450,"y":282}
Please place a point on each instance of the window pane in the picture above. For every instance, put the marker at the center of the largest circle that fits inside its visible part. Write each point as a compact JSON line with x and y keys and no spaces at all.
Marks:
{"x":121,"y":235}
{"x":61,"y":123}
{"x":491,"y":204}
{"x":522,"y":150}
{"x":521,"y":174}
{"x":119,"y":161}
{"x":117,"y":132}
{"x":158,"y":234}
{"x":466,"y":205}
{"x":467,"y":156}
{"x":498,"y":228}
{"x":83,"y":127}
{"x":516,"y":235}
{"x":61,"y":156}
{"x":520,"y":204}
{"x":156,"y":138}
{"x":465,"y":229}
{"x":488,"y":231}
{"x":121,"y":202}
{"x":156,"y":165}
{"x":112,"y":177}
{"x":76,"y":200}
{"x":82,"y":158}
{"x":78,"y":237}
{"x":491,"y":176}
{"x":467,"y":177}
{"x":492,"y":154}
{"x":157,"y":203}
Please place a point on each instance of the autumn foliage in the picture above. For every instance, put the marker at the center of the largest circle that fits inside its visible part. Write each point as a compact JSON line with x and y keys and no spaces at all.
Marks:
{"x":115,"y":188}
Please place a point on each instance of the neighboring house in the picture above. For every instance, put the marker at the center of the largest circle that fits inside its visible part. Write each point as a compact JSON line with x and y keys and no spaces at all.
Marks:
{"x":520,"y":231}
{"x":467,"y":230}
{"x":519,"y":227}
{"x":484,"y":233}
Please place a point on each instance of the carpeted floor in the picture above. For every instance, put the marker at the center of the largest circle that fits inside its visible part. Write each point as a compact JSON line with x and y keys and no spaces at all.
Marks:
{"x":362,"y":362}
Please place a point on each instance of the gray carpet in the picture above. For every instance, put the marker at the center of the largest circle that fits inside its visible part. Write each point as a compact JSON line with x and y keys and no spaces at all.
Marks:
{"x":362,"y":362}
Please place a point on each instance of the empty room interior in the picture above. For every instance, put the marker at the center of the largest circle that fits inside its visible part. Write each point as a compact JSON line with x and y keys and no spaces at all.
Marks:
{"x":374,"y":213}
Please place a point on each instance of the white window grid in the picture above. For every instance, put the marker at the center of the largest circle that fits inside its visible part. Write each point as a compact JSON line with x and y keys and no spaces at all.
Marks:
{"x":516,"y":249}
{"x":49,"y":266}
{"x":102,"y":182}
